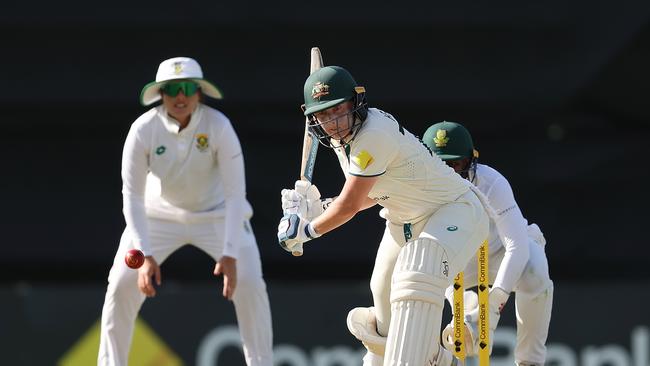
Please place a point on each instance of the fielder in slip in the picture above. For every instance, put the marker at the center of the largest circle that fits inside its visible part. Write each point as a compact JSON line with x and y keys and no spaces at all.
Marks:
{"x":516,"y":252}
{"x":435,"y":221}
{"x":183,"y":182}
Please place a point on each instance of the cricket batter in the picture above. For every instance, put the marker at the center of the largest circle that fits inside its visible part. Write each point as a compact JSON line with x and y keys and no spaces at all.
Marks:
{"x":516,"y":251}
{"x":434,"y":220}
{"x":183,"y":182}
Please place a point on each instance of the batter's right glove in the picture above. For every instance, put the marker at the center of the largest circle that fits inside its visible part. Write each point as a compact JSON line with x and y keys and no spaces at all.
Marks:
{"x":294,"y":230}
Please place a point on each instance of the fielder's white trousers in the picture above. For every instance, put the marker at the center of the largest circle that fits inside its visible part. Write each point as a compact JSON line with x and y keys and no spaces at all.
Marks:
{"x":123,"y":298}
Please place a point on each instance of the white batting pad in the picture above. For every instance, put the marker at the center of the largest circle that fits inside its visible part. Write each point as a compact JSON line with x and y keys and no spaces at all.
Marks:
{"x":363,"y":326}
{"x":417,"y":298}
{"x":470,"y":339}
{"x":470,"y":300}
{"x":371,"y":359}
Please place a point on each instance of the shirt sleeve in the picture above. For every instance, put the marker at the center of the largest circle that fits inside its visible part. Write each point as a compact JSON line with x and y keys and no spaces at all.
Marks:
{"x":512,"y":230}
{"x":231,"y":162}
{"x":372,"y":152}
{"x":135,"y":166}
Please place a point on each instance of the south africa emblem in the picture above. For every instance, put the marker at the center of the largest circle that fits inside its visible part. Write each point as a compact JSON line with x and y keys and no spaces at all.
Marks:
{"x":202,"y":142}
{"x":441,"y":138}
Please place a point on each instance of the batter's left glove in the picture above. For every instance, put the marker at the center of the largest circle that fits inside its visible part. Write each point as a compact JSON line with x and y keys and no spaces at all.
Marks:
{"x":304,"y":200}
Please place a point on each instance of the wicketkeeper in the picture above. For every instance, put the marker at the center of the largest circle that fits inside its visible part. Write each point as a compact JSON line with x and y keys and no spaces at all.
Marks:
{"x":434,"y":220}
{"x":517,"y":260}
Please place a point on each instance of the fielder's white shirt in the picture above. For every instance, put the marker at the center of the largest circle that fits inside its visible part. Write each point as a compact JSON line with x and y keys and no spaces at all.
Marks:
{"x":413,"y":183}
{"x":187,"y":176}
{"x":508,"y":229}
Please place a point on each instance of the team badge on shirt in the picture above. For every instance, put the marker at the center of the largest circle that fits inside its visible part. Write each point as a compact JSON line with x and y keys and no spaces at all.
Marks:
{"x":362,"y":160}
{"x":441,"y":138}
{"x":320,"y":90}
{"x":202,"y":142}
{"x":160,"y":150}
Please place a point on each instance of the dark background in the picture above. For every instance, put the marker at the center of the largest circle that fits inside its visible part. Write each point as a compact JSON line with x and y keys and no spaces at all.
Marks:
{"x":554,"y":94}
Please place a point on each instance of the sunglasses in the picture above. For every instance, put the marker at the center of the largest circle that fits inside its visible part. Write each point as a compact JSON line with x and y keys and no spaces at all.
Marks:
{"x":189,"y":88}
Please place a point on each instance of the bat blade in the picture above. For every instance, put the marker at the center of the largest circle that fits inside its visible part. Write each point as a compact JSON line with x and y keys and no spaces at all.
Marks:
{"x":309,"y":151}
{"x":309,"y":143}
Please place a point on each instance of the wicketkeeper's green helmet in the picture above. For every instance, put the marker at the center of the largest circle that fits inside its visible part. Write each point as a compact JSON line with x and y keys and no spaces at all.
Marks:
{"x":327,"y":87}
{"x":450,"y":141}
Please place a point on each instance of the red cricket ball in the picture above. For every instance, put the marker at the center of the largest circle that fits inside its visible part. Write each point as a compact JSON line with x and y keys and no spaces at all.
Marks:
{"x":134,"y":258}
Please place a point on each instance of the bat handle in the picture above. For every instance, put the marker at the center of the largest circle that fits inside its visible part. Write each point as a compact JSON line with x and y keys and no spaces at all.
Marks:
{"x":297,"y":251}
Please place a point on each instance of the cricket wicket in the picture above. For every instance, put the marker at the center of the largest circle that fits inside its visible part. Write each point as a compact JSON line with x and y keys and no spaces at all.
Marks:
{"x":483,"y":305}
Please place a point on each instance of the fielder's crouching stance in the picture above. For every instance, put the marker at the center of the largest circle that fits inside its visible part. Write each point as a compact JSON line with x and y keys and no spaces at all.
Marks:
{"x":434,"y":220}
{"x":183,"y":182}
{"x":517,"y":260}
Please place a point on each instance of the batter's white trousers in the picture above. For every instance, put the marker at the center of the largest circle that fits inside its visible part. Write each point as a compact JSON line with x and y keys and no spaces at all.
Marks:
{"x":123,"y":298}
{"x":459,"y":227}
{"x":533,"y":300}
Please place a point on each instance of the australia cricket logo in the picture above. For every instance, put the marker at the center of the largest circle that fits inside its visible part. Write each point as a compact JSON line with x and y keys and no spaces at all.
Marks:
{"x":320,"y":90}
{"x":441,"y":138}
{"x":202,"y":142}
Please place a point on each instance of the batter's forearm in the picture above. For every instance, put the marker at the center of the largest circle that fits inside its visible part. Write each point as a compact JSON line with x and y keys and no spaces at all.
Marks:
{"x":337,"y":214}
{"x":369,"y":202}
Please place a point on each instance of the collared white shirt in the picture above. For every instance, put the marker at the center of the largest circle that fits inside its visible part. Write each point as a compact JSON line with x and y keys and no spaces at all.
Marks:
{"x":196,"y":173}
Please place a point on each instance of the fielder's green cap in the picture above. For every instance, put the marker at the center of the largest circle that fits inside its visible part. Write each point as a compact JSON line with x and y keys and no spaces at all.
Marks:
{"x":449,"y":140}
{"x":327,"y":87}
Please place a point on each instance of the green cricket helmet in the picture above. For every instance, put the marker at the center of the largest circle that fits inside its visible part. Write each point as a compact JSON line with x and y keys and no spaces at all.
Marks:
{"x":327,"y":88}
{"x":449,"y":140}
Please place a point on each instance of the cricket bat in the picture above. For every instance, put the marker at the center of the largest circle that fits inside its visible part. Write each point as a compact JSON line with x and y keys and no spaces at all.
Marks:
{"x":309,"y":142}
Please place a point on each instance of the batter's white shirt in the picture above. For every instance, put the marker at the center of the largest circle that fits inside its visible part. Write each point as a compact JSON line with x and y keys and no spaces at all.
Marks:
{"x":412,"y":182}
{"x":508,"y":229}
{"x":190,"y":175}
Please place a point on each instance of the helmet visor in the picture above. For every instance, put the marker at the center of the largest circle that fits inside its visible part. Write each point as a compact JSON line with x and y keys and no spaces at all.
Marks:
{"x":335,"y":125}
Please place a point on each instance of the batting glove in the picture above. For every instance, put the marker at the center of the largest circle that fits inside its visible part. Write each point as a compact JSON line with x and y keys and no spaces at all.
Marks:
{"x":497,"y":300}
{"x":304,"y":200}
{"x":362,"y":323}
{"x":294,"y":230}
